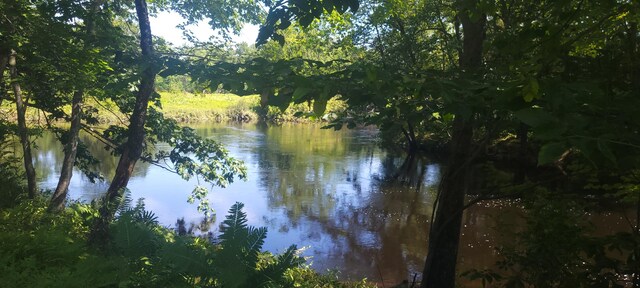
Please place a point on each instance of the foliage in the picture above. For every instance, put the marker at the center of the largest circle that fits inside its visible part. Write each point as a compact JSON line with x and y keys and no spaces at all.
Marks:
{"x":306,"y":277}
{"x":42,"y":249}
{"x":561,"y":75}
{"x":11,"y":176}
{"x":239,"y":257}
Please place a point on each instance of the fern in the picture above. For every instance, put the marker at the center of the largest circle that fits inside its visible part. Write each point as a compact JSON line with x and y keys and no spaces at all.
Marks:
{"x":125,"y":202}
{"x":255,"y":240}
{"x":146,"y":217}
{"x":235,"y":224}
{"x":238,"y":260}
{"x":273,"y":273}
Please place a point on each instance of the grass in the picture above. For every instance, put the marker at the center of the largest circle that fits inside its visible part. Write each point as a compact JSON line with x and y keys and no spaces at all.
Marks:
{"x":192,"y":108}
{"x":186,"y":107}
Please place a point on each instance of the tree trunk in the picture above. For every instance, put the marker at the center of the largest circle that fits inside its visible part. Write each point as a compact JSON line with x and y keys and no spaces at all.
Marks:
{"x":523,"y":144}
{"x":4,"y":60}
{"x":22,"y":127}
{"x":444,"y":236}
{"x":71,"y":147}
{"x":134,"y":145}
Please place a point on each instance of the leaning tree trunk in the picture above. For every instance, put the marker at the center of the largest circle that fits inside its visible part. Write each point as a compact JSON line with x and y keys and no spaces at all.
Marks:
{"x":70,"y":150}
{"x":71,"y":147}
{"x":444,"y":237}
{"x":132,"y":149}
{"x":22,"y":127}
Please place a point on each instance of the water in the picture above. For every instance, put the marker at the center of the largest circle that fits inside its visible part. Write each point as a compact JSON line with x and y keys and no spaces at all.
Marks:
{"x":332,"y":192}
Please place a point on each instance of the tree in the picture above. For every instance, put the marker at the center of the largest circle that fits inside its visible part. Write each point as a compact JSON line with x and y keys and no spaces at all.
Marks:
{"x":85,"y":51}
{"x":136,"y":133}
{"x":494,"y":88}
{"x":444,"y":235}
{"x":54,"y":68}
{"x":23,"y":131}
{"x":71,"y":148}
{"x":213,"y":162}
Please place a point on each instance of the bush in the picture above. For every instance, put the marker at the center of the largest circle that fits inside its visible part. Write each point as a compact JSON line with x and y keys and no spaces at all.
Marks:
{"x":39,"y":249}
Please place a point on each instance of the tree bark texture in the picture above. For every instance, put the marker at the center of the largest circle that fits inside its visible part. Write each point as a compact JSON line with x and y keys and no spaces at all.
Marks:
{"x":135,"y":141}
{"x":71,"y":147}
{"x":444,"y":236}
{"x":4,"y":60}
{"x":23,"y":132}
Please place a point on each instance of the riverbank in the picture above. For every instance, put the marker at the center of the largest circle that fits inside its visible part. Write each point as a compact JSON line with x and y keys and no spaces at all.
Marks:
{"x":192,"y":108}
{"x":41,"y":249}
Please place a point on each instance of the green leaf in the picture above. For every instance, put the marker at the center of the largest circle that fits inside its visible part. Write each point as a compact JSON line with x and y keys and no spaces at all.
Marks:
{"x":550,"y":131}
{"x":448,"y":117}
{"x":282,"y":100}
{"x":319,"y":106}
{"x":550,"y":152}
{"x":300,"y":92}
{"x":531,"y":90}
{"x":534,"y":117}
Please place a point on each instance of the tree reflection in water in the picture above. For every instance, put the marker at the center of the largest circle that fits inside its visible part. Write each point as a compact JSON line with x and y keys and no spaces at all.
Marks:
{"x":362,"y":210}
{"x":373,"y":210}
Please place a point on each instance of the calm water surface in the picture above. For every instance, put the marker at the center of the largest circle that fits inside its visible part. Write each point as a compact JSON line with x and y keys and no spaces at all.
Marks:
{"x":332,"y":192}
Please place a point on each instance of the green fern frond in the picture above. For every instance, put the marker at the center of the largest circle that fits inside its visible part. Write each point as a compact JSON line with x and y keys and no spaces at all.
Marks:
{"x":238,"y":259}
{"x":145,"y":217}
{"x":253,"y":245}
{"x":255,"y":238}
{"x":235,"y":224}
{"x":134,"y":238}
{"x":184,"y":258}
{"x":273,"y":274}
{"x":125,"y":202}
{"x":290,"y":258}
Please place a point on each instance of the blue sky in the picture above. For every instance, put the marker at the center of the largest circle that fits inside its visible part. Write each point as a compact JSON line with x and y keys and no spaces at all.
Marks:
{"x":164,"y":25}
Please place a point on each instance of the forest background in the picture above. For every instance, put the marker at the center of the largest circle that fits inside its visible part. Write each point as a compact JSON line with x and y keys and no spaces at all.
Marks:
{"x":549,"y":87}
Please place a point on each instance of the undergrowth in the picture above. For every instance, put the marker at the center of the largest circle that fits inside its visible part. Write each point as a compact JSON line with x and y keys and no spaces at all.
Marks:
{"x":39,"y":249}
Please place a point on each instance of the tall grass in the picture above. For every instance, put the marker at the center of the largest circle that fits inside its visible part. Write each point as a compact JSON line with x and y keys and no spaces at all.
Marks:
{"x":192,"y":108}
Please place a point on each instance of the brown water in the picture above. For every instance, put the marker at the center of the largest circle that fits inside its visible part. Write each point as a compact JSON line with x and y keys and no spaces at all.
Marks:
{"x":350,"y":204}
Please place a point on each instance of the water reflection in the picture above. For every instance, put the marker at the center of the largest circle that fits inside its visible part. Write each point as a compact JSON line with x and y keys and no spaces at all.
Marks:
{"x":357,"y":208}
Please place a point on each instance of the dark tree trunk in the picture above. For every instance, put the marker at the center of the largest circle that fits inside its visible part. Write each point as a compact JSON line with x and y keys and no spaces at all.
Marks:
{"x":636,"y":273}
{"x":523,"y":144}
{"x":135,"y":141}
{"x":71,"y":147}
{"x":634,"y":50}
{"x":4,"y":60}
{"x":444,"y":236}
{"x":409,"y":135}
{"x":264,"y":99}
{"x":22,"y":127}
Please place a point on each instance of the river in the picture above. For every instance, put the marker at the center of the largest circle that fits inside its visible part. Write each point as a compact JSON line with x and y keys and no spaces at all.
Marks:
{"x":335,"y":193}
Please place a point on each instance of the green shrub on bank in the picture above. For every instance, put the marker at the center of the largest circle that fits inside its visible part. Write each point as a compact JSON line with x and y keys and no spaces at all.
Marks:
{"x":39,"y":249}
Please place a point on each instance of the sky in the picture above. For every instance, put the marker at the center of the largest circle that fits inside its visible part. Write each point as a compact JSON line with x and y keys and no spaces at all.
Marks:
{"x":164,"y":25}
